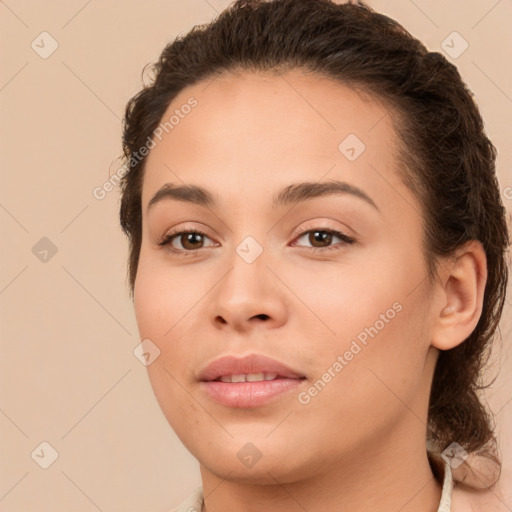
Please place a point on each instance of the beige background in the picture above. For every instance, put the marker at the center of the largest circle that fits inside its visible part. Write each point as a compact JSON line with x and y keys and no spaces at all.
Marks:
{"x":68,"y":375}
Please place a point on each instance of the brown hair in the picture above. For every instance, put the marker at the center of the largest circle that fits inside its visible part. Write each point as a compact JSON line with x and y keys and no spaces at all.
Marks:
{"x":446,"y":158}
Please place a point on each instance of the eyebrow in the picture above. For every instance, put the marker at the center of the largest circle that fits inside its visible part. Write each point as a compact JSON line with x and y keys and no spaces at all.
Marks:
{"x":292,"y":194}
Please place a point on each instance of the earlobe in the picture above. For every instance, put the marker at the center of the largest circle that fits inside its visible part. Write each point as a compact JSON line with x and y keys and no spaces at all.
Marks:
{"x":461,"y":288}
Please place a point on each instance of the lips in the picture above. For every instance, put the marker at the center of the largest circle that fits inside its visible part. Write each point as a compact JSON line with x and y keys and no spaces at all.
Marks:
{"x":249,"y":381}
{"x":250,"y":365}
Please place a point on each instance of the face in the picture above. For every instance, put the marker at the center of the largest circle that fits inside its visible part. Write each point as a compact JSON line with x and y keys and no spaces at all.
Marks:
{"x":323,"y":293}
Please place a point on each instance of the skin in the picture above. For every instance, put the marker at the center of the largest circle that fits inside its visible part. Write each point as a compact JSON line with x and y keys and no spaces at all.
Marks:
{"x":257,"y":133}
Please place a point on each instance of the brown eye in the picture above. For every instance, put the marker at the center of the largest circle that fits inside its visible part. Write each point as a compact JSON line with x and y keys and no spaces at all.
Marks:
{"x":323,"y":238}
{"x":185,"y":242}
{"x":191,"y":241}
{"x":320,"y":239}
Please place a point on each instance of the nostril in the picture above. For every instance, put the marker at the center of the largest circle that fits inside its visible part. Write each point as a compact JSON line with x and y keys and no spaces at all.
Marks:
{"x":262,"y":316}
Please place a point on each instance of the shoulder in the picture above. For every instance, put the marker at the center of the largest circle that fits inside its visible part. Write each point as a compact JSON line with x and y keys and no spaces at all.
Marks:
{"x":193,"y":503}
{"x":465,"y":499}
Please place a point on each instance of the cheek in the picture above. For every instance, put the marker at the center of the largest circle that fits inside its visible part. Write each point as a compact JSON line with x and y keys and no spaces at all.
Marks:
{"x":161,"y":312}
{"x":374,"y":335}
{"x":163,"y":304}
{"x":163,"y":296}
{"x":340,"y":302}
{"x":368,"y":381}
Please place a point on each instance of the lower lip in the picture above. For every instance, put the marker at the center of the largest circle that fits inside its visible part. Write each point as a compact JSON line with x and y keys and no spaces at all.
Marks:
{"x":248,"y":394}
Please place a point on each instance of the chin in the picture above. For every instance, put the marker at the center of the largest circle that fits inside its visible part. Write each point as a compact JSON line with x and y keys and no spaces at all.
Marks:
{"x":261,"y":462}
{"x":264,"y":472}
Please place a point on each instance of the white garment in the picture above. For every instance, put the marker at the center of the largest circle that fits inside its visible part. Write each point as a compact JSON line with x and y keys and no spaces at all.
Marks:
{"x":194,"y":502}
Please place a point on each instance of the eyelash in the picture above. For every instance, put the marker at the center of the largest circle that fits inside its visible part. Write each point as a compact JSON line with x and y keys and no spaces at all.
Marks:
{"x":167,"y":239}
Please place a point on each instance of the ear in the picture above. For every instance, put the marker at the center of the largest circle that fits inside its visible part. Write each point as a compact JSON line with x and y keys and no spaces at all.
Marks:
{"x":460,"y":291}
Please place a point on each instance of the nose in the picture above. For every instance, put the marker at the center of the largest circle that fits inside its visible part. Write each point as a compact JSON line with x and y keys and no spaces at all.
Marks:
{"x":249,"y":296}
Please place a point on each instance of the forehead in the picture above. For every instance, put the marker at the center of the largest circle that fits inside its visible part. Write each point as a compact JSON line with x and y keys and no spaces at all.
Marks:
{"x":252,"y":133}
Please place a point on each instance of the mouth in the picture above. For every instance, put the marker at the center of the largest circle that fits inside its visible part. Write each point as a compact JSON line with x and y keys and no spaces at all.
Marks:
{"x":246,"y":382}
{"x":248,"y":377}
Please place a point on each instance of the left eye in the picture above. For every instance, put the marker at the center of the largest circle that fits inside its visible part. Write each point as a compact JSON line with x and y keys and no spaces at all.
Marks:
{"x":324,"y":237}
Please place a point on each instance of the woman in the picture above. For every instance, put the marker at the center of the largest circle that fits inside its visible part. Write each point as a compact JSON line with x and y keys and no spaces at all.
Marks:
{"x":317,"y":260}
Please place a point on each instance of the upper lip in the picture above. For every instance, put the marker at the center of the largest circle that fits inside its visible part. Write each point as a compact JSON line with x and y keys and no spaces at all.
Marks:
{"x":253,"y":363}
